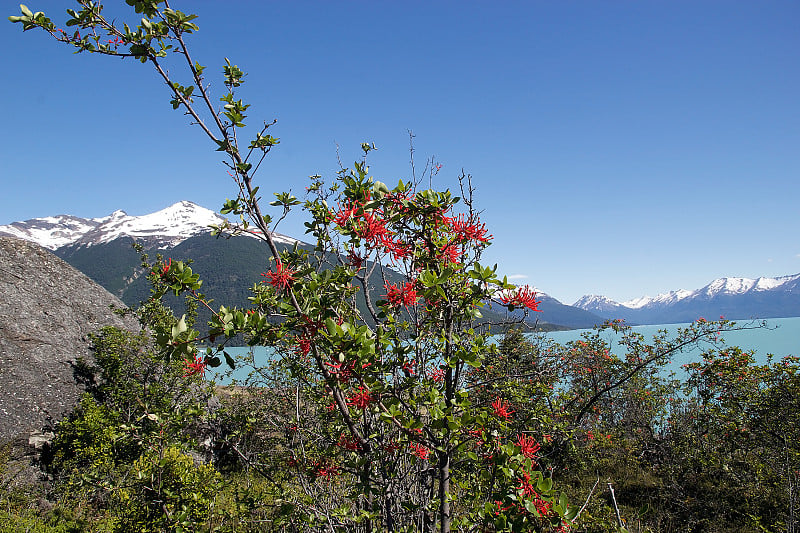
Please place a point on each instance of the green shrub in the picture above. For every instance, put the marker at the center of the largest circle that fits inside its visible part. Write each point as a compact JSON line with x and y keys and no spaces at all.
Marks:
{"x":169,"y":491}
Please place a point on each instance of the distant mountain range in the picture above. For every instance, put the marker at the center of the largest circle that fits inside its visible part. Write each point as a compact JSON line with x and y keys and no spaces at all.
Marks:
{"x":733,"y":298}
{"x":101,"y":249}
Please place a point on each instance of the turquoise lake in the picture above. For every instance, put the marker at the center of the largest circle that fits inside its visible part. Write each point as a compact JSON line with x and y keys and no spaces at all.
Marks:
{"x":780,"y":338}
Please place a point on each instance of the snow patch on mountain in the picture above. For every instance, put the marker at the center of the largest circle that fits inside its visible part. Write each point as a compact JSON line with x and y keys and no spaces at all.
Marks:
{"x":743,"y":285}
{"x":50,"y":232}
{"x":662,"y":299}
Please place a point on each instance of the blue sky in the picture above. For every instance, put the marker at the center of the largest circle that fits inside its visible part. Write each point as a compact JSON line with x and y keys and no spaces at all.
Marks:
{"x":622,"y":148}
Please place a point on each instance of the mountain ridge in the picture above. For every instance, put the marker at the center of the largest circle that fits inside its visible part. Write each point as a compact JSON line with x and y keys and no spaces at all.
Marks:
{"x":732,"y":297}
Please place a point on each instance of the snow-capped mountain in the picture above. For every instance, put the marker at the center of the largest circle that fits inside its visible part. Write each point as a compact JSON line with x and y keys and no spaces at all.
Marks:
{"x":166,"y":228}
{"x":668,"y":298}
{"x":735,"y":298}
{"x":597,"y":304}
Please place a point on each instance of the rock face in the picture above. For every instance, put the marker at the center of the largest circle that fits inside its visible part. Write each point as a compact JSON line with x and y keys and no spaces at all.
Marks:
{"x":47,"y":310}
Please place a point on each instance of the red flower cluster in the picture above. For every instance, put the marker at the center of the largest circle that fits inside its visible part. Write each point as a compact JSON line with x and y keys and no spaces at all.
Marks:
{"x":355,"y":260}
{"x":326,"y":470}
{"x":281,"y":279}
{"x":419,"y":450}
{"x":522,"y":297}
{"x":408,"y":367}
{"x":372,"y":229}
{"x":502,"y":409}
{"x":302,"y":346}
{"x":466,"y":230}
{"x":405,"y":294}
{"x":391,"y":446}
{"x":198,"y":366}
{"x":344,"y":372}
{"x":348,"y":443}
{"x":361,"y":399}
{"x":528,"y":446}
{"x":450,"y":253}
{"x":501,"y":508}
{"x":529,"y":491}
{"x":363,"y":223}
{"x":398,"y":250}
{"x":164,"y":269}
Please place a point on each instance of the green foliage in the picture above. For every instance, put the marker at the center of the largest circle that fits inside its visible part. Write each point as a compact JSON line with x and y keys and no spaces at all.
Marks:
{"x":88,"y":447}
{"x":168,"y":491}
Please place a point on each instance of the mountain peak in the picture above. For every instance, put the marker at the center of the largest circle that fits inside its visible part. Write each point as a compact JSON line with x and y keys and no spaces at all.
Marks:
{"x":166,"y":228}
{"x":596,"y":303}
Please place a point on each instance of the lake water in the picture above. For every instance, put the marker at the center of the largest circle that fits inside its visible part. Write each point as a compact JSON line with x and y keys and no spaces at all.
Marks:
{"x":780,"y":338}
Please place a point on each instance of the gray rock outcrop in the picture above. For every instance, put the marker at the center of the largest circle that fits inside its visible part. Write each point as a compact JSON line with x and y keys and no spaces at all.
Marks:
{"x":47,"y":310}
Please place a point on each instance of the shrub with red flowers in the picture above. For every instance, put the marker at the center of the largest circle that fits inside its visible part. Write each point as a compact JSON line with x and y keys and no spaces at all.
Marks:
{"x":394,"y":440}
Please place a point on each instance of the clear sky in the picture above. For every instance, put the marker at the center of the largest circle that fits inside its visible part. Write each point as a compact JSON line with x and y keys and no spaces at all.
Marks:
{"x":622,"y":148}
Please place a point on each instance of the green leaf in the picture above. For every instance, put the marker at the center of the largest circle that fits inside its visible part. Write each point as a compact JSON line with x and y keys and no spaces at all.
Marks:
{"x":545,"y":484}
{"x":562,"y":501}
{"x":27,"y":12}
{"x":571,"y":513}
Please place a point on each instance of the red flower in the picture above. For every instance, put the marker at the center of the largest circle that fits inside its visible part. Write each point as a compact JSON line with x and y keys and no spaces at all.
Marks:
{"x":391,"y":446}
{"x":450,"y":253}
{"x":405,"y":294}
{"x":345,"y":215}
{"x":198,"y":366}
{"x":372,"y":229}
{"x":528,"y":446}
{"x":281,"y":279}
{"x":522,"y":297}
{"x":419,"y":450}
{"x":501,"y":508}
{"x":542,"y":506}
{"x":501,"y":409}
{"x":467,"y":230}
{"x":164,"y":269}
{"x":326,"y":470}
{"x":355,"y":260}
{"x":398,"y":250}
{"x":348,"y":443}
{"x":361,"y":399}
{"x":302,"y":346}
{"x":344,"y":372}
{"x":476,"y":434}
